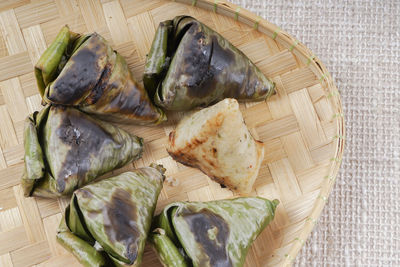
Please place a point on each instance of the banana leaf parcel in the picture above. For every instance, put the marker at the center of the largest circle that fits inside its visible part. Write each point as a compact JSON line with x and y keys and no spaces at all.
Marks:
{"x":107,"y":222}
{"x":207,"y":234}
{"x":191,"y":65}
{"x":66,"y":149}
{"x":84,"y":71}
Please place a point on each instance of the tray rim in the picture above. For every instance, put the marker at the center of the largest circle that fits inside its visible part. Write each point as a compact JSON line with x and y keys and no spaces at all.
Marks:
{"x":306,"y":56}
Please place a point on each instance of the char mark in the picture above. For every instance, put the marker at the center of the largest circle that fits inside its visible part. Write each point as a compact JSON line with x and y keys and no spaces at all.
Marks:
{"x":122,"y":214}
{"x":211,"y":232}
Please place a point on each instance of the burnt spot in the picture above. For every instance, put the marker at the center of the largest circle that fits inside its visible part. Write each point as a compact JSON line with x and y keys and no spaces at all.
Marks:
{"x":252,"y":82}
{"x":222,"y":57}
{"x":210,"y":66}
{"x":225,"y":64}
{"x":132,"y":100}
{"x":195,"y":142}
{"x":121,"y":213}
{"x":184,"y":158}
{"x":99,"y":88}
{"x":208,"y":160}
{"x":84,"y":137}
{"x":214,"y":152}
{"x":191,"y":145}
{"x":223,"y":181}
{"x":197,"y":53}
{"x":211,"y":232}
{"x":80,"y":77}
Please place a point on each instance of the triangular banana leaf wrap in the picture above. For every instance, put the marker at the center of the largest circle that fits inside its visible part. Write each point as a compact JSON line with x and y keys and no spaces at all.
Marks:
{"x":191,"y":65}
{"x":66,"y":149}
{"x":216,"y":233}
{"x":84,"y":71}
{"x":116,"y":213}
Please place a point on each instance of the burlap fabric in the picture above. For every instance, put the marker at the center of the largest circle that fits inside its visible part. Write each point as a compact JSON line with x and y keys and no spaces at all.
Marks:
{"x":359,"y":41}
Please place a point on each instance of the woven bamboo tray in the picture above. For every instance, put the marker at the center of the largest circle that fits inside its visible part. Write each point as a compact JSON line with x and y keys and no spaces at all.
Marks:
{"x":302,"y":125}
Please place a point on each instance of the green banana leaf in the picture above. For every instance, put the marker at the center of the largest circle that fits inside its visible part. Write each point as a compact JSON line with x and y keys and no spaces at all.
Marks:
{"x":115,"y":214}
{"x":191,"y":65}
{"x":66,"y":149}
{"x":84,"y":71}
{"x":216,"y":233}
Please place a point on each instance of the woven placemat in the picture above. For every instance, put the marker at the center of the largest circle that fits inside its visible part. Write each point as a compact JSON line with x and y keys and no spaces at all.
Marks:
{"x":359,"y":41}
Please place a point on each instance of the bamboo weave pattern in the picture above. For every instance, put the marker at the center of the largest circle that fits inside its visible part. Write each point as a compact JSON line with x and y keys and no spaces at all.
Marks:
{"x":301,"y":126}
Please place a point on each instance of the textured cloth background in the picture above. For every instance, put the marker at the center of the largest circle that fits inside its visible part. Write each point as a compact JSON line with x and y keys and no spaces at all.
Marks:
{"x":359,"y":42}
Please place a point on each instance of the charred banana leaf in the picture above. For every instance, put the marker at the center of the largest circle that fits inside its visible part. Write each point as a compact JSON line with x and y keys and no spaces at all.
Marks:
{"x":66,"y":149}
{"x":215,"y":233}
{"x":191,"y":65}
{"x":107,"y":222}
{"x":84,"y":71}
